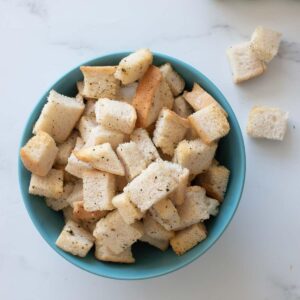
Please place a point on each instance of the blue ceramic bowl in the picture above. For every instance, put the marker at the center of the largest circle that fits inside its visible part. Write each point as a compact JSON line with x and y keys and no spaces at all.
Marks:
{"x":150,"y":262}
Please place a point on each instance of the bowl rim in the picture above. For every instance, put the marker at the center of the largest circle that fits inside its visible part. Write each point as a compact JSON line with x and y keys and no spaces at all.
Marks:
{"x":74,"y":260}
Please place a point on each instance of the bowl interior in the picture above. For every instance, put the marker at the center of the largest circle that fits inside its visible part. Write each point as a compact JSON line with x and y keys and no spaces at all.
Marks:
{"x":150,"y":262}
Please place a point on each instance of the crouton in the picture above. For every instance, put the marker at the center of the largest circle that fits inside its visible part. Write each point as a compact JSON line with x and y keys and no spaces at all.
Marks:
{"x":128,"y":211}
{"x":173,"y":79}
{"x":160,"y":244}
{"x":134,"y":66}
{"x":212,"y":206}
{"x":101,"y":157}
{"x":85,"y":127}
{"x":165,"y":95}
{"x":132,"y":159}
{"x":121,"y":182}
{"x":50,"y":186}
{"x":99,"y":82}
{"x":244,"y":63}
{"x":147,"y":98}
{"x":194,"y":155}
{"x":83,"y":215}
{"x":215,"y":181}
{"x":210,"y":123}
{"x":154,"y":184}
{"x":98,"y":190}
{"x":178,"y":195}
{"x":59,"y":116}
{"x":116,"y":234}
{"x":182,"y":107}
{"x":75,"y":240}
{"x":141,"y":137}
{"x":38,"y":155}
{"x":170,"y":129}
{"x":267,"y":122}
{"x":89,"y":110}
{"x":265,"y":43}
{"x":77,"y":193}
{"x":61,"y":202}
{"x":188,"y":238}
{"x":65,"y":149}
{"x":115,"y":115}
{"x":127,"y":92}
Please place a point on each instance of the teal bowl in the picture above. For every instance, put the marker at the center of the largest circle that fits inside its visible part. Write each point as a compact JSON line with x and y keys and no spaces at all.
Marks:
{"x":150,"y":262}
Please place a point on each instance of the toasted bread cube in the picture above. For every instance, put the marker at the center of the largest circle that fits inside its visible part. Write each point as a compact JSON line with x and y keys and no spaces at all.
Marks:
{"x":215,"y":181}
{"x":98,"y":190}
{"x":160,"y":244}
{"x":116,"y":234}
{"x":179,"y":194}
{"x":128,"y":211}
{"x":170,"y":129}
{"x":132,"y":67}
{"x":65,"y":149}
{"x":174,"y":80}
{"x":127,"y":92}
{"x":85,"y":127}
{"x":267,"y":122}
{"x":165,"y":95}
{"x":132,"y":159}
{"x":75,"y":240}
{"x":59,"y":116}
{"x":210,"y":123}
{"x":141,"y":137}
{"x":265,"y":43}
{"x":188,"y":238}
{"x":244,"y":63}
{"x":99,"y":82}
{"x":83,"y":215}
{"x":147,"y":101}
{"x":38,"y":155}
{"x":115,"y":115}
{"x":182,"y":107}
{"x":61,"y":202}
{"x":77,"y":193}
{"x":194,"y":155}
{"x":212,"y":206}
{"x":154,"y":184}
{"x":50,"y":186}
{"x":89,"y":110}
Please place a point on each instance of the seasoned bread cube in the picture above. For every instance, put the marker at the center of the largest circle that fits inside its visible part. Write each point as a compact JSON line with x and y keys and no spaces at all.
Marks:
{"x":85,"y":127}
{"x":59,"y":116}
{"x":65,"y":149}
{"x":170,"y":129}
{"x":154,"y":184}
{"x":215,"y":181}
{"x":127,"y":92}
{"x":91,"y":216}
{"x":160,"y":244}
{"x":101,"y":157}
{"x":178,"y":195}
{"x":141,"y":137}
{"x":265,"y":43}
{"x":134,"y":66}
{"x":98,"y":190}
{"x":38,"y":155}
{"x":61,"y":202}
{"x":49,"y":186}
{"x":267,"y":122}
{"x":116,"y":234}
{"x":75,"y":240}
{"x":99,"y":82}
{"x":147,"y":100}
{"x":173,"y":79}
{"x":77,"y":193}
{"x":115,"y":115}
{"x":212,"y":206}
{"x":128,"y":211}
{"x":182,"y":107}
{"x":244,"y":63}
{"x":210,"y":123}
{"x":188,"y":238}
{"x":165,"y":95}
{"x":132,"y":159}
{"x":194,"y":155}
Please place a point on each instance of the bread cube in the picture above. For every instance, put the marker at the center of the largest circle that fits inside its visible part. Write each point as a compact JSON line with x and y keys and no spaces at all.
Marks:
{"x":141,"y":137}
{"x":128,"y":211}
{"x":98,"y":190}
{"x":182,"y":107}
{"x":267,"y":122}
{"x":163,"y":245}
{"x":81,"y":214}
{"x":59,"y":116}
{"x":77,"y":193}
{"x":65,"y":149}
{"x":165,"y":95}
{"x":173,"y":79}
{"x":50,"y":185}
{"x":115,"y":115}
{"x":210,"y":123}
{"x":194,"y":155}
{"x":244,"y":63}
{"x":265,"y":43}
{"x":99,"y":82}
{"x":134,"y":66}
{"x":38,"y":155}
{"x":179,"y":194}
{"x":188,"y":238}
{"x":127,"y":92}
{"x":85,"y":127}
{"x":132,"y":159}
{"x":170,"y":129}
{"x":101,"y":157}
{"x":116,"y":234}
{"x":75,"y":240}
{"x":154,"y":184}
{"x":212,"y":206}
{"x":89,"y":110}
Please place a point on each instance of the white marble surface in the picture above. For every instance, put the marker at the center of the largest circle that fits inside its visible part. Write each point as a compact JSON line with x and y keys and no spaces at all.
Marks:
{"x":258,"y":257}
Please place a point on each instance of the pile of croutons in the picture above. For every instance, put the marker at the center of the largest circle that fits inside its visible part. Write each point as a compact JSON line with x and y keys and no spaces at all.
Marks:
{"x":130,"y":158}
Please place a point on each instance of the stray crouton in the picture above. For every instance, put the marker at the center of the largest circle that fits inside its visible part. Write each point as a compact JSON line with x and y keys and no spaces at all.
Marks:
{"x":83,"y":215}
{"x":182,"y":107}
{"x":65,"y":149}
{"x":163,"y":245}
{"x":61,"y":203}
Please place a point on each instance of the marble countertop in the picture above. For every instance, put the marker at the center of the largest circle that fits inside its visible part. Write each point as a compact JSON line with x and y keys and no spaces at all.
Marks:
{"x":258,"y":257}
